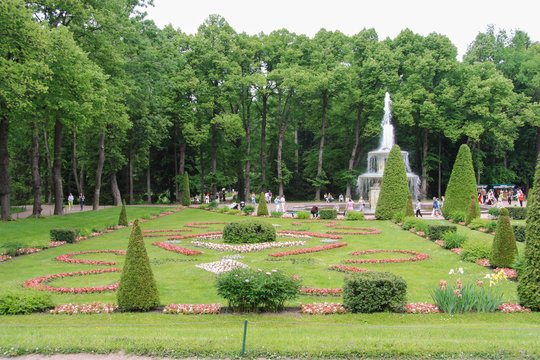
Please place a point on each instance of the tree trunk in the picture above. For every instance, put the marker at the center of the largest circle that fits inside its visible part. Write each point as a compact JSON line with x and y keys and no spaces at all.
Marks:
{"x":36,"y":178}
{"x":57,"y":169}
{"x":263,"y":141}
{"x":440,"y":168}
{"x":74,"y":162}
{"x":181,"y":168}
{"x":321,"y":146}
{"x":202,"y":173}
{"x":352,"y":159}
{"x":49,"y":165}
{"x":176,"y":188}
{"x":296,"y":152}
{"x":5,"y":177}
{"x":117,"y":198}
{"x":213,"y":164}
{"x":279,"y":156}
{"x":130,"y":173}
{"x":99,"y":170}
{"x":248,"y":162}
{"x":425,"y":148}
{"x":148,"y":185}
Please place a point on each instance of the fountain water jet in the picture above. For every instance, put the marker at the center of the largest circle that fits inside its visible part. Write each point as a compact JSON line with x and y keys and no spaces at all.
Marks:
{"x":368,"y":184}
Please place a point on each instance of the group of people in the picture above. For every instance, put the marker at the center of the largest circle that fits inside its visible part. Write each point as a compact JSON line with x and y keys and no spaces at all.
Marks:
{"x":437,"y":206}
{"x":71,"y":198}
{"x":497,"y":197}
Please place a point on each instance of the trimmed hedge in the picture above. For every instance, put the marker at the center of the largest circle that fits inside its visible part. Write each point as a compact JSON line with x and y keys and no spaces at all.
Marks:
{"x":472,"y":213}
{"x":186,"y":196}
{"x":517,"y":213}
{"x":137,"y":290}
{"x":303,"y":215}
{"x":122,"y":219}
{"x":374,"y":291}
{"x":475,"y":249}
{"x":529,"y":282}
{"x":409,"y":211}
{"x":491,"y":225}
{"x":394,"y":186}
{"x":248,"y":232}
{"x":354,"y":216}
{"x":417,"y":223}
{"x":504,"y":249}
{"x":327,"y":214}
{"x":493,"y":211}
{"x":67,"y":235}
{"x":461,"y":186}
{"x":458,"y":216}
{"x":248,"y":209}
{"x":519,"y":232}
{"x":262,"y":209}
{"x":436,"y":232}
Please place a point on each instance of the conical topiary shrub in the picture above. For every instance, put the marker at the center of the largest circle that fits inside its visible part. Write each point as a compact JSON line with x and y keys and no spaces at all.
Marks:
{"x":472,"y":213}
{"x":263,"y":208}
{"x":122,"y":219}
{"x":186,"y":196}
{"x":137,"y":290}
{"x":461,"y":186}
{"x":504,"y":248}
{"x":529,"y":280}
{"x":409,"y":210}
{"x":394,"y":186}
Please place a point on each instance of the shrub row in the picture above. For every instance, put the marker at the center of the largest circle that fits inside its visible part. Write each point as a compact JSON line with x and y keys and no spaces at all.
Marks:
{"x":248,"y":232}
{"x":436,"y":232}
{"x":67,"y":235}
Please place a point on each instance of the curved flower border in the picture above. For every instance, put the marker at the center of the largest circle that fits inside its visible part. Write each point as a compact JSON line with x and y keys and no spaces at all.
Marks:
{"x":346,"y":268}
{"x":203,"y":224}
{"x":419,"y":256}
{"x":246,"y":247}
{"x":67,"y":257}
{"x":309,"y":250}
{"x":330,"y":223}
{"x":309,"y":234}
{"x":189,"y":309}
{"x":174,"y":248}
{"x":208,"y":235}
{"x":37,"y":282}
{"x":323,"y":309}
{"x":368,"y":232}
{"x":320,"y":291}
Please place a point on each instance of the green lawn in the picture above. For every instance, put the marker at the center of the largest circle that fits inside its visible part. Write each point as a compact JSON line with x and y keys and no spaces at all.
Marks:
{"x":292,"y":334}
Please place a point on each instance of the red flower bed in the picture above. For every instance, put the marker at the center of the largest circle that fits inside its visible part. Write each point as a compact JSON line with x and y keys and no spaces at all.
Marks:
{"x":510,"y":273}
{"x":309,"y":250}
{"x":512,"y":307}
{"x":320,"y":291}
{"x":419,"y":256}
{"x":203,"y":224}
{"x":37,"y":282}
{"x":163,"y":232}
{"x":330,"y":223}
{"x":67,"y":257}
{"x":326,"y":236}
{"x":369,"y":230}
{"x":347,"y":268}
{"x":187,"y":236}
{"x":421,"y":308}
{"x":172,"y":247}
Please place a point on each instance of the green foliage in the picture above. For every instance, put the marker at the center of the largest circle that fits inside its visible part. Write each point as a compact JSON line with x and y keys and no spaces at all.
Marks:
{"x":224,"y":209}
{"x":452,"y":299}
{"x":437,"y":232}
{"x":213,"y":205}
{"x":248,"y":232}
{"x":493,"y":211}
{"x":472,"y":213}
{"x":519,"y":232}
{"x":418,"y":224}
{"x":122,"y":219}
{"x":458,"y":216}
{"x":186,"y":196}
{"x":248,"y":209}
{"x":453,"y":240}
{"x":276,"y":214}
{"x":398,"y":216}
{"x":24,"y":302}
{"x":262,"y":210}
{"x":354,"y":216}
{"x":234,"y":211}
{"x":374,"y":291}
{"x":327,"y":214}
{"x":409,"y":211}
{"x":254,"y":291}
{"x":204,"y":206}
{"x":461,"y":186}
{"x":529,"y":282}
{"x":517,"y":212}
{"x":490,"y":225}
{"x":137,"y":290}
{"x":519,"y":265}
{"x":475,"y":249}
{"x":394,"y":186}
{"x":303,"y":215}
{"x":67,"y":235}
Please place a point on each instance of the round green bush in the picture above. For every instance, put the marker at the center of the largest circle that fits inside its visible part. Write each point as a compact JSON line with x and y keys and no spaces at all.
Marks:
{"x":374,"y":291}
{"x":354,"y":216}
{"x":394,"y":186}
{"x":327,"y":214}
{"x":137,"y":290}
{"x":303,"y":215}
{"x":461,"y":186}
{"x":248,"y":209}
{"x":504,"y":248}
{"x":493,"y":211}
{"x":453,"y":240}
{"x":248,"y":232}
{"x":263,"y":208}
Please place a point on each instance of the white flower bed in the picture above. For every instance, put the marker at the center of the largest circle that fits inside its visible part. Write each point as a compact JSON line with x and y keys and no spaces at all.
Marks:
{"x":247,"y":247}
{"x":224,"y":265}
{"x":329,"y":241}
{"x":233,"y":257}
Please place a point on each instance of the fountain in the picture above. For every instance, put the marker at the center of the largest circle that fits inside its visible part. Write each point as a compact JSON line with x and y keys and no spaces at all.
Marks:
{"x":368,"y":184}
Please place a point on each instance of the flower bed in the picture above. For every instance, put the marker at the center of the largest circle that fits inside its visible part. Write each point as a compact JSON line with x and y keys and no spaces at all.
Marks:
{"x":53,"y":244}
{"x":309,"y":234}
{"x":419,"y":256}
{"x":224,"y":265}
{"x":439,"y":242}
{"x":309,"y":250}
{"x":145,"y":232}
{"x":247,"y":247}
{"x":189,"y":309}
{"x":329,"y":223}
{"x":96,"y":307}
{"x":511,"y":274}
{"x":174,"y":248}
{"x":67,"y":257}
{"x":206,"y":236}
{"x":323,"y":309}
{"x":367,"y":232}
{"x":421,"y":308}
{"x":346,"y":268}
{"x":483,"y":262}
{"x":202,"y":225}
{"x":37,"y":282}
{"x":320,"y":291}
{"x":512,"y":308}
{"x":4,"y":258}
{"x":457,"y":250}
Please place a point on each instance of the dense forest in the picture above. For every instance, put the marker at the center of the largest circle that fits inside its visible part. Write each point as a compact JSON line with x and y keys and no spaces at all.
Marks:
{"x":95,"y":98}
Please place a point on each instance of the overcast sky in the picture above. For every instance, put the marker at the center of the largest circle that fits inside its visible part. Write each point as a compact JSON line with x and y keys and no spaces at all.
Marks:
{"x":460,"y":20}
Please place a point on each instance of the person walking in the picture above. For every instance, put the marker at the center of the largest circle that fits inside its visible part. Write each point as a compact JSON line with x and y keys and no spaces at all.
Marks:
{"x":282,"y":202}
{"x":521,"y":197}
{"x":70,"y":201}
{"x":418,"y":212}
{"x":349,"y":207}
{"x":81,"y":200}
{"x":276,"y":202}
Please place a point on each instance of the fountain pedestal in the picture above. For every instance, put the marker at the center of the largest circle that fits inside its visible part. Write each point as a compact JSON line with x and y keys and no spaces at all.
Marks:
{"x":374,"y":192}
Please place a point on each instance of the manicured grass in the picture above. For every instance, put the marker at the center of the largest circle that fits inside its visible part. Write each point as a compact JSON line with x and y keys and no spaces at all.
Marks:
{"x":179,"y":281}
